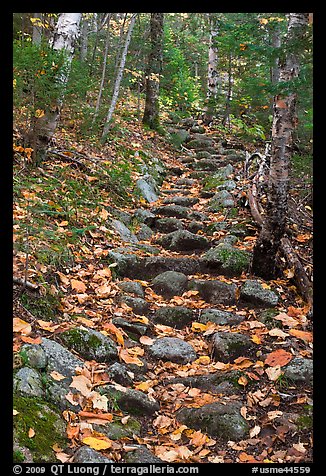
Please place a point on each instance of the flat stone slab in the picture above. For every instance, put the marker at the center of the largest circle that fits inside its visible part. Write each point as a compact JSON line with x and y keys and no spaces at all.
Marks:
{"x":168,"y":224}
{"x":183,"y":201}
{"x":172,"y":349}
{"x":214,"y":291}
{"x":147,"y":188}
{"x":124,"y":232}
{"x":216,"y":419}
{"x":130,"y":400}
{"x":253,"y":292}
{"x":176,"y":211}
{"x":183,"y":240}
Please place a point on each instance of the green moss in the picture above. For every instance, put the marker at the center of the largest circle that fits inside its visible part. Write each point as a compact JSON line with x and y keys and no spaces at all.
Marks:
{"x":267,"y":318}
{"x":305,"y":421}
{"x":18,"y":457}
{"x":42,"y":307}
{"x":45,"y":421}
{"x":231,"y":259}
{"x":116,"y":430}
{"x":212,"y":183}
{"x":75,"y":338}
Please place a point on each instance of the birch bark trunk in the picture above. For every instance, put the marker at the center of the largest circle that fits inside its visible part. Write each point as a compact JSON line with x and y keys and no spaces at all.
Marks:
{"x":284,"y":123}
{"x":43,"y":128}
{"x":154,"y":69}
{"x":106,"y":127}
{"x":212,"y":74}
{"x":105,"y":59}
{"x":37,"y":29}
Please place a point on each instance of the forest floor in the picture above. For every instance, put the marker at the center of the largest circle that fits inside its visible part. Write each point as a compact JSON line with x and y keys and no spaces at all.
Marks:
{"x":204,"y":364}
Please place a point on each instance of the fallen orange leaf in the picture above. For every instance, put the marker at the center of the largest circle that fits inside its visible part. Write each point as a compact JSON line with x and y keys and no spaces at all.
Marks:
{"x":78,"y":285}
{"x":278,"y":357}
{"x":303,"y":335}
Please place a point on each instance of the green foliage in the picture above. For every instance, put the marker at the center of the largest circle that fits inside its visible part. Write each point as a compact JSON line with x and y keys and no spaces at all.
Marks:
{"x":179,"y":89}
{"x":37,"y":72}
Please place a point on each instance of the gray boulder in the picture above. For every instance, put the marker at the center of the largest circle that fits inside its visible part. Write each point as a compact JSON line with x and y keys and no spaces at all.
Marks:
{"x":172,"y":349}
{"x":183,"y":201}
{"x":141,"y":454}
{"x":218,"y":420}
{"x":85,"y":455}
{"x":200,"y":143}
{"x":220,"y":317}
{"x":183,"y":240}
{"x":148,"y":188}
{"x":124,"y":232}
{"x":133,"y":287}
{"x":176,"y":211}
{"x":174,"y":316}
{"x":28,"y":382}
{"x":90,"y":344}
{"x":144,"y":232}
{"x":35,"y":356}
{"x":170,"y":283}
{"x":167,"y":225}
{"x":253,"y":292}
{"x":138,"y":305}
{"x":129,"y":400}
{"x":228,"y":346}
{"x":300,"y":371}
{"x":222,"y":199}
{"x":119,"y":373}
{"x":214,"y":291}
{"x":59,"y":358}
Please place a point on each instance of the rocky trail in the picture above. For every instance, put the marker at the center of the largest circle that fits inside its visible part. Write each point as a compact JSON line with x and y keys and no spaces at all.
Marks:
{"x":180,"y":354}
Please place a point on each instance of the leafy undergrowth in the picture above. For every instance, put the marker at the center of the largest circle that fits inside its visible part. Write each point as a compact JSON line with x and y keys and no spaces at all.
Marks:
{"x":61,"y":243}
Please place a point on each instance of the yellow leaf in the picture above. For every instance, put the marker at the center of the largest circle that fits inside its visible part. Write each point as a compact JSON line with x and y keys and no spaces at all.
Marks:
{"x":39,"y":113}
{"x":103,"y":214}
{"x":243,"y":380}
{"x":15,"y":412}
{"x":203,"y":359}
{"x":129,"y":359}
{"x":256,"y":339}
{"x":21,"y":326}
{"x":198,"y":327}
{"x":144,"y":386}
{"x":96,"y":443}
{"x":31,"y":433}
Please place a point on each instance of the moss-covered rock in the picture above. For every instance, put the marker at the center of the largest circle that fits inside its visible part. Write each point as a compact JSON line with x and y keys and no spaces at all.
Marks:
{"x":252,"y":291}
{"x":90,"y":344}
{"x":227,"y":346}
{"x":226,"y":259}
{"x":116,"y":430}
{"x":174,"y":316}
{"x":28,"y":382}
{"x":47,"y":423}
{"x":132,"y":401}
{"x":216,"y":419}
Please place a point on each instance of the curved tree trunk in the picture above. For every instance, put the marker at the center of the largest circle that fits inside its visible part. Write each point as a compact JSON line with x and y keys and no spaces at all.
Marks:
{"x":43,"y":127}
{"x":284,"y":123}
{"x":119,"y":77}
{"x":154,"y":69}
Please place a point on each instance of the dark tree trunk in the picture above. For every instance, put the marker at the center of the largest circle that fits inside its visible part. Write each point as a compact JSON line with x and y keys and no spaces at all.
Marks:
{"x":284,"y":123}
{"x":154,"y":68}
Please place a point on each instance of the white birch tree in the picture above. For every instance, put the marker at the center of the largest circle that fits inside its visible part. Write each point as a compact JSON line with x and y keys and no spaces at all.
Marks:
{"x":43,"y":127}
{"x":116,"y":89}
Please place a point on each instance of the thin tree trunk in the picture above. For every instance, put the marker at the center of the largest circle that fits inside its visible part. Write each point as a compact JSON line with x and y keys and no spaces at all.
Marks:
{"x":43,"y":128}
{"x":212,"y":75}
{"x":154,"y":69}
{"x":37,"y":29}
{"x":119,"y":77}
{"x":106,"y":52}
{"x":226,"y":118}
{"x":84,"y":40}
{"x":284,"y":123}
{"x":276,"y":44}
{"x":120,"y":45}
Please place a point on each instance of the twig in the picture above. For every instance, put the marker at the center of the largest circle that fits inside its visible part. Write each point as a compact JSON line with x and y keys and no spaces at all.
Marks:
{"x":25,"y":283}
